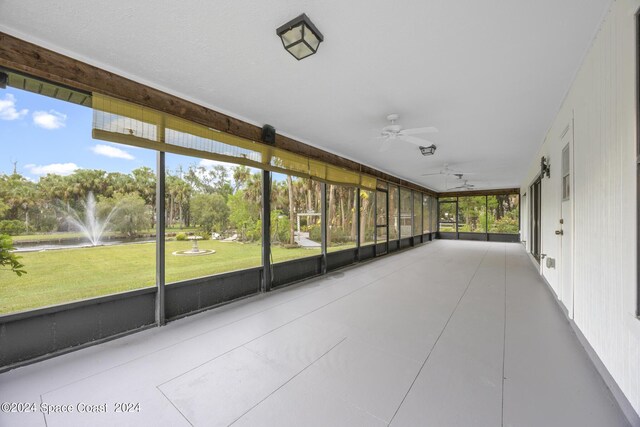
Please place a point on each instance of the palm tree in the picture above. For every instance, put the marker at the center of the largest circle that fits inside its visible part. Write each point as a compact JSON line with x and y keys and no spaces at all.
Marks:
{"x":332,"y":212}
{"x":253,"y":191}
{"x":241,"y":174}
{"x":291,"y":210}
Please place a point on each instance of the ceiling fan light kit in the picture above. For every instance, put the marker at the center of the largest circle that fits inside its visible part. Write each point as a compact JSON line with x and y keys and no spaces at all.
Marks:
{"x":463,"y":187}
{"x":394,"y":131}
{"x":428,"y":151}
{"x":447,"y":171}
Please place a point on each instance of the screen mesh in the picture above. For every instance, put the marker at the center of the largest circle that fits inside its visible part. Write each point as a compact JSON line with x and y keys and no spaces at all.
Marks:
{"x":127,"y":123}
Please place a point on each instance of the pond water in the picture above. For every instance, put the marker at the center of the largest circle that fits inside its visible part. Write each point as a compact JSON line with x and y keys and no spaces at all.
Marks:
{"x":72,"y":243}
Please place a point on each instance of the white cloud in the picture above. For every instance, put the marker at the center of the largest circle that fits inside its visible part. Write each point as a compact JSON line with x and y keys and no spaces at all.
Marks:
{"x":110,"y":151}
{"x":51,"y":119}
{"x":210,"y":164}
{"x":54,"y":168}
{"x":8,"y":109}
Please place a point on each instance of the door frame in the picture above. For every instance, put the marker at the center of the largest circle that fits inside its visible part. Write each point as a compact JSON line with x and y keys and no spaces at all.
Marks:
{"x":386,"y":225}
{"x":535,"y":212}
{"x":567,"y":290}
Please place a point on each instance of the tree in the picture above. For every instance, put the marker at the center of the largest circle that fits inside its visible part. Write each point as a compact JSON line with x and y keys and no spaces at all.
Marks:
{"x":178,"y":193}
{"x":145,"y":184}
{"x":209,"y":211}
{"x":253,"y":192}
{"x":117,"y":182}
{"x":292,"y":214}
{"x":332,"y":212}
{"x":130,"y":215}
{"x":7,"y":258}
{"x":366,"y":212}
{"x":241,"y":174}
{"x":19,"y":194}
{"x":242,"y":214}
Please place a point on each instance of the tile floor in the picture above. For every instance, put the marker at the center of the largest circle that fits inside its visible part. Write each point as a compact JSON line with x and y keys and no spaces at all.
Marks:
{"x":451,"y":333}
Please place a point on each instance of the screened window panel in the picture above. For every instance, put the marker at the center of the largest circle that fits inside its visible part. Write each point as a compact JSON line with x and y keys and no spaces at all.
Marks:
{"x":426,"y":214}
{"x":472,"y":214}
{"x":417,"y":213}
{"x":123,"y":122}
{"x":447,"y":217}
{"x":504,"y":214}
{"x":406,"y":227}
{"x":367,"y":217}
{"x":394,"y":213}
{"x":342,"y":217}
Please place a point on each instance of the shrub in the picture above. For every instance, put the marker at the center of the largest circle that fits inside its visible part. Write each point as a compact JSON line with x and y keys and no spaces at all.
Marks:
{"x":181,"y":236}
{"x":315,"y":233}
{"x":12,"y":227}
{"x":280,"y":232}
{"x":255,"y":234}
{"x":339,"y":236}
{"x":129,"y":215}
{"x":210,"y":212}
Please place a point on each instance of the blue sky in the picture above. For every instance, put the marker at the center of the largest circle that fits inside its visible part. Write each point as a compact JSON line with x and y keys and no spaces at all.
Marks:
{"x":45,"y":135}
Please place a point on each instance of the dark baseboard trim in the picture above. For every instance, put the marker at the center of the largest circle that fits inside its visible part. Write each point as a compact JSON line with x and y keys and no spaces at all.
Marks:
{"x":616,"y":393}
{"x":67,"y":350}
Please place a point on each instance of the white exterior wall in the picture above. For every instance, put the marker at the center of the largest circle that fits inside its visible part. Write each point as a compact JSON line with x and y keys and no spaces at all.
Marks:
{"x":602,"y":103}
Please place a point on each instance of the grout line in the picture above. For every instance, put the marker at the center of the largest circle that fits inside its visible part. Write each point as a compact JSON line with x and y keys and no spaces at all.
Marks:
{"x":176,"y":408}
{"x":223,"y":326}
{"x":289,"y":380}
{"x":504,"y":334}
{"x":398,"y":268}
{"x":439,"y":336}
{"x":278,"y":327}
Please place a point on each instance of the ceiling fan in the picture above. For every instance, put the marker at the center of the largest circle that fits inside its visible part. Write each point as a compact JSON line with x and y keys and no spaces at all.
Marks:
{"x":395,"y":132}
{"x":447,"y":171}
{"x":464,"y":186}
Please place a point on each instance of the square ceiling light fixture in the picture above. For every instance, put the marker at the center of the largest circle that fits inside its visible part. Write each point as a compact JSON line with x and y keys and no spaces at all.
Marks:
{"x":428,"y":151}
{"x":300,"y":37}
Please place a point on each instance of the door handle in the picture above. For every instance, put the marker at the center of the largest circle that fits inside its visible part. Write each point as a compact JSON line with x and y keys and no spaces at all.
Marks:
{"x":559,"y":232}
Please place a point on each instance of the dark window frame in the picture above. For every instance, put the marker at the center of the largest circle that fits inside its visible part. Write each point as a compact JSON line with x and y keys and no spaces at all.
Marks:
{"x":637,"y":18}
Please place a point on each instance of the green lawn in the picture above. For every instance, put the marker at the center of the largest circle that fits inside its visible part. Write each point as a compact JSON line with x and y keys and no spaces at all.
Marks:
{"x":55,"y":237}
{"x":59,"y":276}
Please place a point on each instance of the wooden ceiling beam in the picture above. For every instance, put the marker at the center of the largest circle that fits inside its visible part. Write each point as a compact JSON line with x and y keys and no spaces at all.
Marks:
{"x":34,"y":60}
{"x":496,"y":192}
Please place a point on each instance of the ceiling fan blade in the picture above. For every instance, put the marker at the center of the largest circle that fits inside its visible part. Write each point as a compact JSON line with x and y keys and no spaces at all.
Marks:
{"x":432,"y":174}
{"x":413,"y":140}
{"x":418,"y":131}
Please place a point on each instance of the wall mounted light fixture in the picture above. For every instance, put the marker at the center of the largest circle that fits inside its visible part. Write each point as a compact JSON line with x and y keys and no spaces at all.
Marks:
{"x":300,"y":37}
{"x":545,"y":167}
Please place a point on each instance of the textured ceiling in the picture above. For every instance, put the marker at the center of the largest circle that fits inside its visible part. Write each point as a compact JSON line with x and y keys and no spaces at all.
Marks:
{"x":489,"y":74}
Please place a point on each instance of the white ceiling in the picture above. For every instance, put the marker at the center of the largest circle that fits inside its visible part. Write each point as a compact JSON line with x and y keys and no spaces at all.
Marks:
{"x":489,"y":74}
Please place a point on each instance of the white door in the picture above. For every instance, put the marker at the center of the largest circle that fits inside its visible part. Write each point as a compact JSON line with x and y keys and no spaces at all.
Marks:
{"x":566,"y":222}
